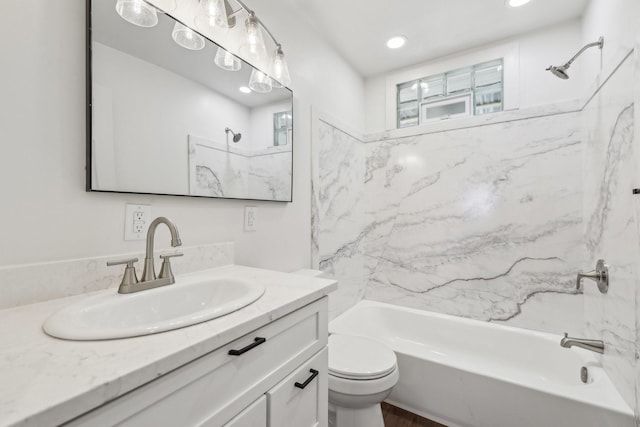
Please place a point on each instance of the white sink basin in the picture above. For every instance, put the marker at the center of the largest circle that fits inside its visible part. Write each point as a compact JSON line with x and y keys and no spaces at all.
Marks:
{"x":191,"y":300}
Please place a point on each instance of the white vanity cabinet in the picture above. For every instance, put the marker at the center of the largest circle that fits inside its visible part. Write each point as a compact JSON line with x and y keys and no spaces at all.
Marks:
{"x":274,"y":376}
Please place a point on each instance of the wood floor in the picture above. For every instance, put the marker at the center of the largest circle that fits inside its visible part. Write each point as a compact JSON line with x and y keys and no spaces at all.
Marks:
{"x":396,"y":417}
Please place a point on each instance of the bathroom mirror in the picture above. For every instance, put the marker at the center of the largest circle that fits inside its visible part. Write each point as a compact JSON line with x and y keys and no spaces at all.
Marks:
{"x":164,"y":119}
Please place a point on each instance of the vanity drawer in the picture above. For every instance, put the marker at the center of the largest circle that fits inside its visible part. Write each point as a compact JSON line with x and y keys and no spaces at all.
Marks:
{"x":214,"y":388}
{"x":301,"y":399}
{"x":254,"y":416}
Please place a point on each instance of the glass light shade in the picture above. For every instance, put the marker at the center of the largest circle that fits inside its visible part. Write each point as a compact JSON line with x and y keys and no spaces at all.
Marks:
{"x":227,"y":61}
{"x":279,"y":69}
{"x":260,"y":82}
{"x":212,"y":15}
{"x":138,"y":12}
{"x":252,"y":47}
{"x":165,"y":5}
{"x":186,"y":37}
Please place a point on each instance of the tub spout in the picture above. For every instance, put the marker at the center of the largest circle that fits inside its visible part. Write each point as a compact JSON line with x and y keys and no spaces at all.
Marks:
{"x":592,"y":345}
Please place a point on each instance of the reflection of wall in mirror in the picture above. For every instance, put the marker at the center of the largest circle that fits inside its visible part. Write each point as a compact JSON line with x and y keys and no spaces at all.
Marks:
{"x":262,"y":123}
{"x":147,"y":157}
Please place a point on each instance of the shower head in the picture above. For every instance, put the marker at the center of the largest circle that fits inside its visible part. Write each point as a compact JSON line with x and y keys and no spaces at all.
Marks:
{"x":561,"y":71}
{"x":236,"y":136}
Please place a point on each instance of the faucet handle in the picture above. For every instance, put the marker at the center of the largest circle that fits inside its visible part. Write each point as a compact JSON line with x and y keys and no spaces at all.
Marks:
{"x":165,"y":270}
{"x":600,"y":275}
{"x":128,"y":261}
{"x":129,"y":278}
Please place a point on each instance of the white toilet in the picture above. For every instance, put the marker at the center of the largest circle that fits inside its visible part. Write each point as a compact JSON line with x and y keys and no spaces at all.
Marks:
{"x":362,"y":373}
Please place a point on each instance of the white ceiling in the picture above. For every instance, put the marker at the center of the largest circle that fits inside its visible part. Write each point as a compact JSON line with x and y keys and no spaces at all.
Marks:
{"x":359,"y":29}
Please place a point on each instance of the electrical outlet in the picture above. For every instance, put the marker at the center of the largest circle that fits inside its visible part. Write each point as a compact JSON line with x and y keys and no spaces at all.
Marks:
{"x":136,"y":221}
{"x":250,"y":218}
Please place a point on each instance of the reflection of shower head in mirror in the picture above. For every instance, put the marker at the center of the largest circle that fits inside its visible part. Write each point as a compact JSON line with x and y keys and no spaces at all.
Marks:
{"x":236,"y":136}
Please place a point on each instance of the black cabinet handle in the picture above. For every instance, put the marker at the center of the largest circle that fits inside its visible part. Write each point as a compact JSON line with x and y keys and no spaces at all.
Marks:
{"x":314,"y":374}
{"x":256,"y":342}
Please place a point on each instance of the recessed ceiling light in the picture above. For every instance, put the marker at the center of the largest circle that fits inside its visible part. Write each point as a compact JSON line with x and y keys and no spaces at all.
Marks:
{"x":244,"y":89}
{"x":396,"y":42}
{"x":517,"y":3}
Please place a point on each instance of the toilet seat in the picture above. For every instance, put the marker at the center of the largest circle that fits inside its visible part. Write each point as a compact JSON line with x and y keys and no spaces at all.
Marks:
{"x":358,"y":358}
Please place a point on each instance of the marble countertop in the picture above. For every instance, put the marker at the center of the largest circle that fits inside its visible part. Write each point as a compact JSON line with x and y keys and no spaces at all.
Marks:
{"x":47,"y":381}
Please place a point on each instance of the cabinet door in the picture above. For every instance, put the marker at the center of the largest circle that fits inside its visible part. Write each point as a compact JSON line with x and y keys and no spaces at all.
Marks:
{"x":254,"y":416}
{"x":301,"y":399}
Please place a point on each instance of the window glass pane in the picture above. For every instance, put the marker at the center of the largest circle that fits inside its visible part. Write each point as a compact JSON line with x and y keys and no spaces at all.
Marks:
{"x":488,"y":74}
{"x":459,"y":81}
{"x":408,"y":114}
{"x":408,"y":92}
{"x":445,"y":110}
{"x":488,"y":100}
{"x":433,"y":86}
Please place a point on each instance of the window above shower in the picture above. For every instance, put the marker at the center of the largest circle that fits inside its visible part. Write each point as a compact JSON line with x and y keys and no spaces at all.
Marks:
{"x":461,"y":92}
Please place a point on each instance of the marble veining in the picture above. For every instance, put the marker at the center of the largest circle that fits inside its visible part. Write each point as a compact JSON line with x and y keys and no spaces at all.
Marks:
{"x":473,"y":221}
{"x":223,"y":170}
{"x":610,"y":223}
{"x":636,"y":210}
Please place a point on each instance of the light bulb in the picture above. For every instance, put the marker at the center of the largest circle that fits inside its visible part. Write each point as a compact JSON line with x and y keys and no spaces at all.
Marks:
{"x":137,"y":12}
{"x":279,"y":69}
{"x":187,"y":38}
{"x":227,"y":61}
{"x":212,"y":15}
{"x":517,"y":3}
{"x":396,"y":42}
{"x":252,"y":48}
{"x":260,"y":82}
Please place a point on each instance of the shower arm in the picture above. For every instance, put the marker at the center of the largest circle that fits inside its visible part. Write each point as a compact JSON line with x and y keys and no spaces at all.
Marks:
{"x":599,"y":43}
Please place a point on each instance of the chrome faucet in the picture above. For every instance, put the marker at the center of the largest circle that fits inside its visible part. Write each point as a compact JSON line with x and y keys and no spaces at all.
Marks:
{"x":591,"y":345}
{"x":130,"y":283}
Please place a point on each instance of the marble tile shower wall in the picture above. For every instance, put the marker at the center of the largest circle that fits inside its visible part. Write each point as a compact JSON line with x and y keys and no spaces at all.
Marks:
{"x":610,"y":223}
{"x":481,"y":222}
{"x":636,"y":89}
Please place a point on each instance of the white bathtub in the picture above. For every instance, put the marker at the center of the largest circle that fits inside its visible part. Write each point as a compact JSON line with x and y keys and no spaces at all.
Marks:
{"x":467,"y":373}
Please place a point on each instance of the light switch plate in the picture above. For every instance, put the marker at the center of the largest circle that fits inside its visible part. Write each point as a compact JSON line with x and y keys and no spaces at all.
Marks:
{"x":136,"y":221}
{"x":250,"y":218}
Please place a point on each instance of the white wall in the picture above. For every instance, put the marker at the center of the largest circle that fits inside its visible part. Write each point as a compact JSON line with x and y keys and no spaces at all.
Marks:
{"x":617,"y":22}
{"x":46,"y":212}
{"x":153,"y":112}
{"x":527,"y":84}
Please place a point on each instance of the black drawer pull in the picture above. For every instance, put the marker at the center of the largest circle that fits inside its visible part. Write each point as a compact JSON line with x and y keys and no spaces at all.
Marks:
{"x":314,"y":374}
{"x":256,"y":342}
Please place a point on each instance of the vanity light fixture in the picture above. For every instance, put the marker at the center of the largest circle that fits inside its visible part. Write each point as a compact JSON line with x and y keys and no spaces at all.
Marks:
{"x":227,"y":61}
{"x":212,"y":15}
{"x":396,"y":42}
{"x":218,"y":16}
{"x":260,"y":82}
{"x":280,"y":69}
{"x":137,"y":12}
{"x":516,"y":3}
{"x":244,"y":89}
{"x":253,"y":48}
{"x":187,"y":38}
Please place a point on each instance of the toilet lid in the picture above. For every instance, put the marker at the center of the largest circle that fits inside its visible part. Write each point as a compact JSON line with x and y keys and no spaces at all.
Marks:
{"x":359,"y":358}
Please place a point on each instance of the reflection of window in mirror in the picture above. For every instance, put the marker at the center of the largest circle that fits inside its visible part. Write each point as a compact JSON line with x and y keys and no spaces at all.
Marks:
{"x":282,"y":128}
